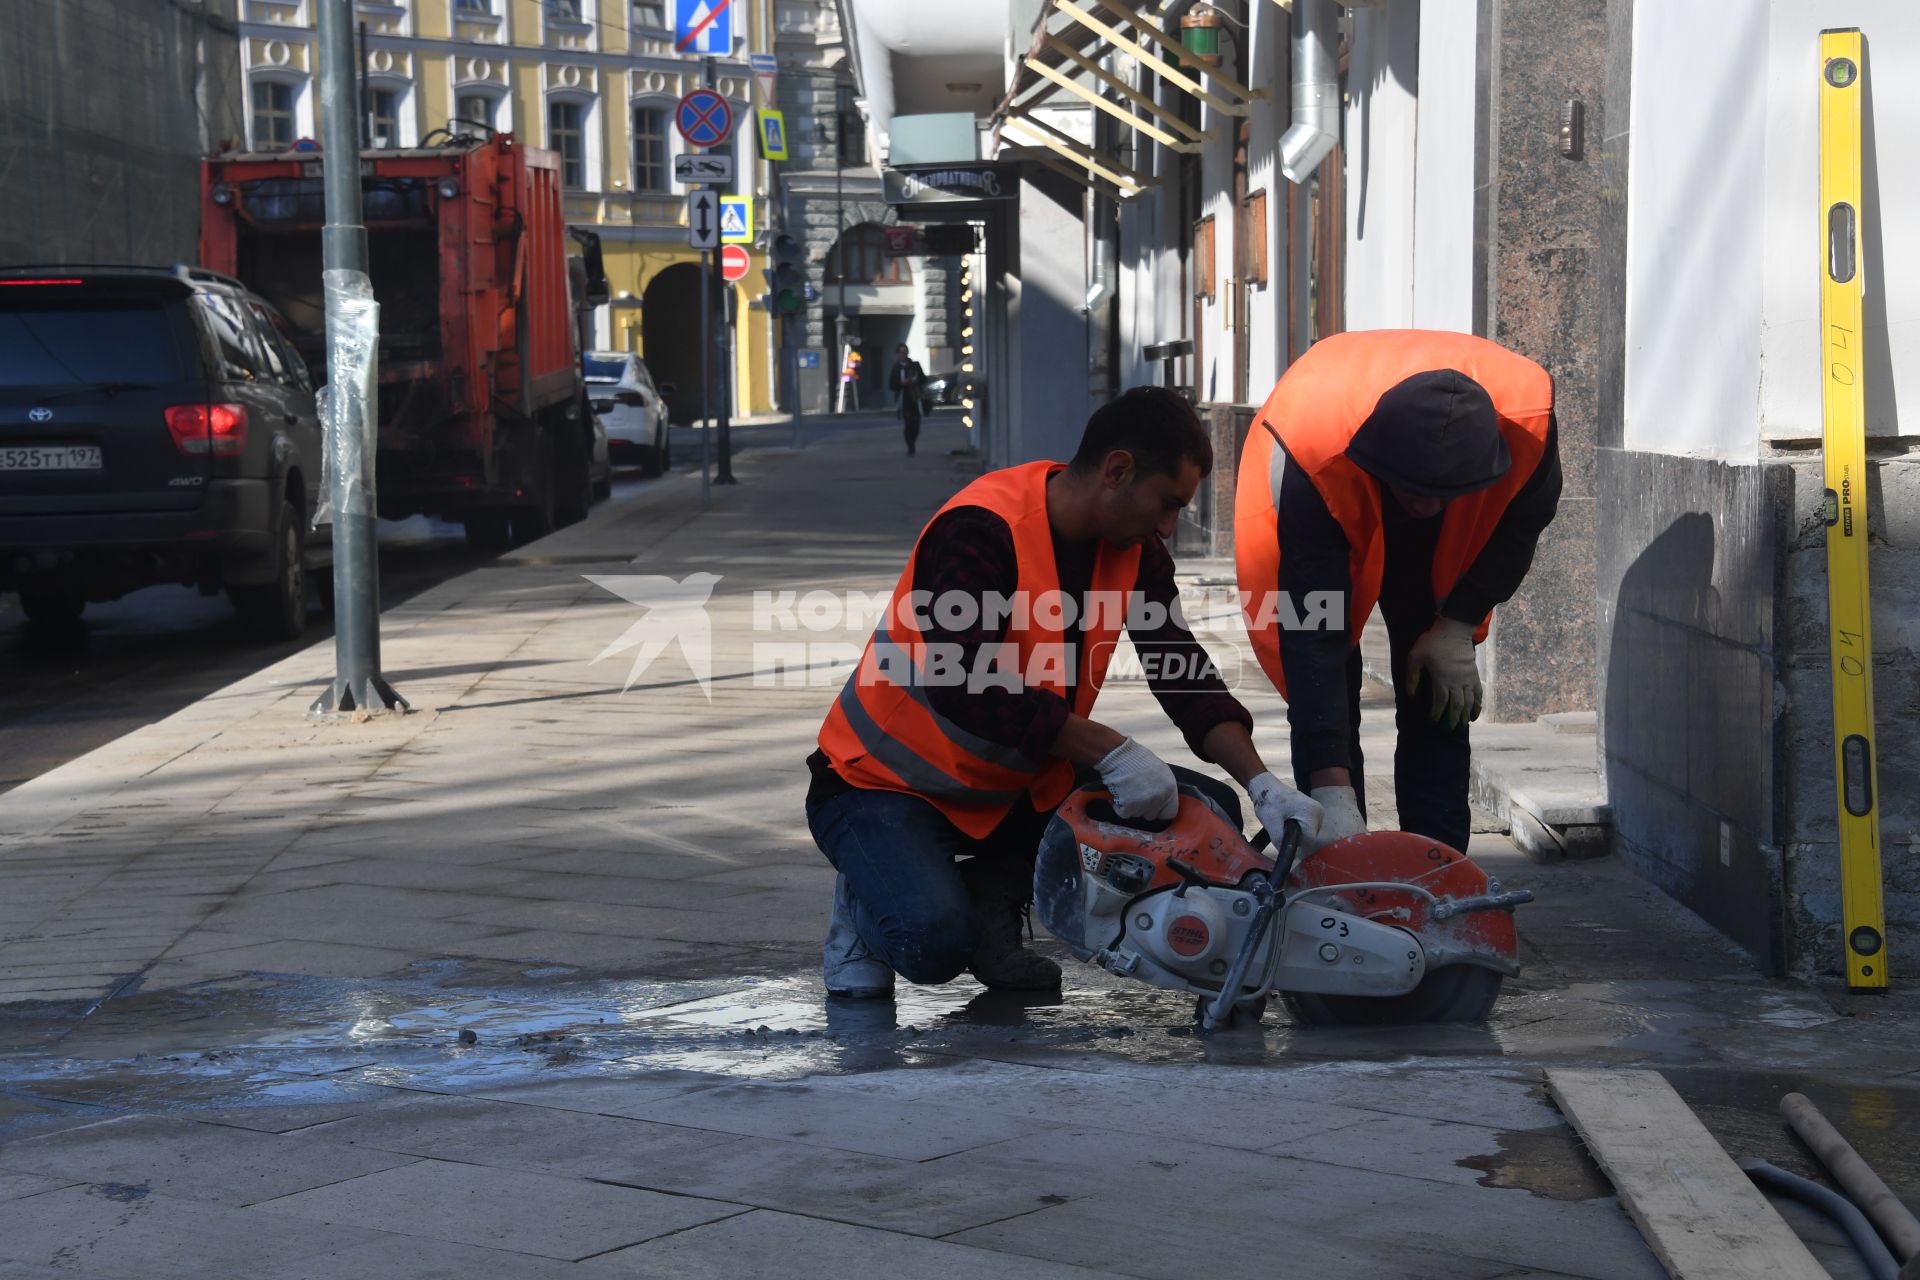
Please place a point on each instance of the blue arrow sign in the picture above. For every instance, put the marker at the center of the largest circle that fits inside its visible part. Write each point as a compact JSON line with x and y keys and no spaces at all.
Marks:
{"x":703,"y":26}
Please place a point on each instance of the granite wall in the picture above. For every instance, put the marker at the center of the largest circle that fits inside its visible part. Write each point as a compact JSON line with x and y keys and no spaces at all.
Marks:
{"x":1690,"y":699}
{"x":1540,"y":220}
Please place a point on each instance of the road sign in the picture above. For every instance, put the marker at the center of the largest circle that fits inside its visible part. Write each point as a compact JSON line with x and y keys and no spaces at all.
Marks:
{"x":703,"y":168}
{"x":703,"y":118}
{"x":736,"y":219}
{"x":773,"y":134}
{"x":766,"y":71}
{"x":734,"y":262}
{"x":703,"y":26}
{"x":703,"y":219}
{"x":809,"y":359}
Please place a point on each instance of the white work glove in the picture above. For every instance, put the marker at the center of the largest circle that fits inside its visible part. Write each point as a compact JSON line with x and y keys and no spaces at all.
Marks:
{"x":1141,"y":782}
{"x":1442,"y":659}
{"x":1341,"y":814}
{"x":1275,"y":804}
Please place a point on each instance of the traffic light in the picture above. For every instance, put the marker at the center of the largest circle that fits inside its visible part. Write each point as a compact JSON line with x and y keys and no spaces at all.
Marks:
{"x":787,"y":277}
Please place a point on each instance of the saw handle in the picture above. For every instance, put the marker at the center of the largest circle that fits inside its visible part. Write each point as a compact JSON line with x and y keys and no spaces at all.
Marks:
{"x":1283,"y":857}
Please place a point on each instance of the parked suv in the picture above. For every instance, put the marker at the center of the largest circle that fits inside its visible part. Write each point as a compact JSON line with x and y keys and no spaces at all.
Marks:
{"x":155,"y":426}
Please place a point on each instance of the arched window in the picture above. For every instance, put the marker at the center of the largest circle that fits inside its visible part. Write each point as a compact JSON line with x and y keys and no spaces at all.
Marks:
{"x":276,"y":113}
{"x":653,"y":145}
{"x":478,"y":104}
{"x":863,"y":250}
{"x":389,"y":113}
{"x":570,"y":136}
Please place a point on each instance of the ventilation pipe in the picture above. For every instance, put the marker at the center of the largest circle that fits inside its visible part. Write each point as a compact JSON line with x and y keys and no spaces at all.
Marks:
{"x":1316,"y":89}
{"x":1103,"y":278}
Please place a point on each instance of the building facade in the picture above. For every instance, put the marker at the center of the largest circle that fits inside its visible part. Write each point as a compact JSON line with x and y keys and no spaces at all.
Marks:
{"x":592,"y":80}
{"x":104,"y":166}
{"x":831,"y":202}
{"x":1620,"y":190}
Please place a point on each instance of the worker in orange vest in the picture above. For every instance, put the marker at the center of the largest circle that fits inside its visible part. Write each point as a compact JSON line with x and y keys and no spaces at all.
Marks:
{"x":1411,"y":469}
{"x":968,"y":721}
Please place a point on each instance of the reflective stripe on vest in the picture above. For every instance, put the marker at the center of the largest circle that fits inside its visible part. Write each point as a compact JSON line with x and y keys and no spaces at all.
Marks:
{"x":885,"y":734}
{"x":1316,"y":409}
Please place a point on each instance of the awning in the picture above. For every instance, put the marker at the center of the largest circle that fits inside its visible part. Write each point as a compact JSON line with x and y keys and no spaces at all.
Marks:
{"x":1033,"y":131}
{"x":1239,"y":100}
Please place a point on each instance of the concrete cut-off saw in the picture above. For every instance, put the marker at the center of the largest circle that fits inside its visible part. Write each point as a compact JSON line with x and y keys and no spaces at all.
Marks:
{"x":1382,"y":927}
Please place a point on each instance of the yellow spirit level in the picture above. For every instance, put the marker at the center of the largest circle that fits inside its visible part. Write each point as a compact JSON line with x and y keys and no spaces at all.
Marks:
{"x":1844,"y":437}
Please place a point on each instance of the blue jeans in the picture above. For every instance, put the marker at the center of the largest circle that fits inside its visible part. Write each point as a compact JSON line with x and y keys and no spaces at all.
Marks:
{"x":903,"y":861}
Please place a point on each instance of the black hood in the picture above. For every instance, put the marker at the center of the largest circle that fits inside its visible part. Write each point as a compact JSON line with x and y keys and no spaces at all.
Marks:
{"x":1435,"y":434}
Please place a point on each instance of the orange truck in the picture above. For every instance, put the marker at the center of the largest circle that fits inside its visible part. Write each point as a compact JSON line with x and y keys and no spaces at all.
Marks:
{"x":483,"y":416}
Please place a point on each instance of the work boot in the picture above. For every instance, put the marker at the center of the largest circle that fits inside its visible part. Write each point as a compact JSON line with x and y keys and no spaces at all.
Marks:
{"x":1000,"y":909}
{"x":851,"y":969}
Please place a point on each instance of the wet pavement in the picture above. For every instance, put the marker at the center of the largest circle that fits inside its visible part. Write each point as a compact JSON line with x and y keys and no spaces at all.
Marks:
{"x":524,"y":984}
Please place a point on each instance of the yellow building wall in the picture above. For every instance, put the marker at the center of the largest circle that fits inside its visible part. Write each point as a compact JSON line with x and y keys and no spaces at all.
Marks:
{"x":523,"y":67}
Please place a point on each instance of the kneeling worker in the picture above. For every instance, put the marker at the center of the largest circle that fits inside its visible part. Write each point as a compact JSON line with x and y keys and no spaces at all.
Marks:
{"x":1411,"y":469}
{"x":930,"y":794}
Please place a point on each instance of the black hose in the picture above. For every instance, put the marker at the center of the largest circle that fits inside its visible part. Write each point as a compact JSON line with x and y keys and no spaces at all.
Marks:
{"x":1866,"y":1241}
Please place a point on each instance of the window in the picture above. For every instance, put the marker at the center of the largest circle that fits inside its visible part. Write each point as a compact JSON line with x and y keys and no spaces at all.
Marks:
{"x":234,"y":341}
{"x":1257,"y":232}
{"x":474,"y":6}
{"x":563,"y":10}
{"x":651,"y":167}
{"x":63,"y":344}
{"x":566,"y":135}
{"x":474,"y":108}
{"x":650,"y":15}
{"x":851,"y":127}
{"x":383,"y":117}
{"x":1203,"y":258}
{"x":864,"y":251}
{"x":272,"y":115}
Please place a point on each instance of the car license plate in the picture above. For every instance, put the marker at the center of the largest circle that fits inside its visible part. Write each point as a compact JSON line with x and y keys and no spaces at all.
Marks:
{"x":50,"y":457}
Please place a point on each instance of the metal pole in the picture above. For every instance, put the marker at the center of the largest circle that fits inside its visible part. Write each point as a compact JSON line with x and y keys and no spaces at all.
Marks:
{"x":729,"y":375}
{"x":706,"y":379}
{"x":793,"y":363}
{"x":366,"y":94}
{"x":357,"y":685}
{"x":839,"y":249}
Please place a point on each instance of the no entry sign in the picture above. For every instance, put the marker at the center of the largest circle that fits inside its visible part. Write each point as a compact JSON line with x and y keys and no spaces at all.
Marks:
{"x":733,"y":262}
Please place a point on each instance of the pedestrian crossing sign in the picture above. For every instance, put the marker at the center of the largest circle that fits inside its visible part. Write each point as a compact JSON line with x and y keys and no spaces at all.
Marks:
{"x":773,"y":134}
{"x":736,"y":219}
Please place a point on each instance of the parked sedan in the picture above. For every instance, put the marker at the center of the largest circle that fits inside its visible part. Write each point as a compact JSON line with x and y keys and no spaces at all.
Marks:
{"x":951,"y":386}
{"x":155,"y":426}
{"x":632,"y":408}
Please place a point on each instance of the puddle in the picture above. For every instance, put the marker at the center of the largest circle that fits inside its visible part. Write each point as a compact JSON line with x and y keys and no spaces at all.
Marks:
{"x":451,"y":1026}
{"x":1547,"y":1162}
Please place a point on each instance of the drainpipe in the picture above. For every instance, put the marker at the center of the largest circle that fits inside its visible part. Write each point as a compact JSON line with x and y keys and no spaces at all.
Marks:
{"x":1316,"y":89}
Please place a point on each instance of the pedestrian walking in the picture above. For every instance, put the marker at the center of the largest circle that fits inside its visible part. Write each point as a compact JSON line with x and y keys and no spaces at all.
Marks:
{"x":906,"y":382}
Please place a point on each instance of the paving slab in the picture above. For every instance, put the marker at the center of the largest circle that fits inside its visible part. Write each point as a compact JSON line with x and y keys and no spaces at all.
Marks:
{"x":15,"y":1186}
{"x":763,"y":1243}
{"x":830,"y":1117}
{"x":511,"y":1135}
{"x":191,"y":1161}
{"x":553,"y":1217}
{"x":120,"y":1230}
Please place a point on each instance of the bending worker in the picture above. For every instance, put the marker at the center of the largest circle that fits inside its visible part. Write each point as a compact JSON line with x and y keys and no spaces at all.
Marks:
{"x":1411,"y":469}
{"x":931,"y":789}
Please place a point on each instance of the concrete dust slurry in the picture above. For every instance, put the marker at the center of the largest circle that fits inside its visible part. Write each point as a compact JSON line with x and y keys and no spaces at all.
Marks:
{"x":530,"y":977}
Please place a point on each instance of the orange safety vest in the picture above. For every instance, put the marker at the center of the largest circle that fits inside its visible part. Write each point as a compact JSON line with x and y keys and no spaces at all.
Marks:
{"x":883,"y":732}
{"x":1315,"y":411}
